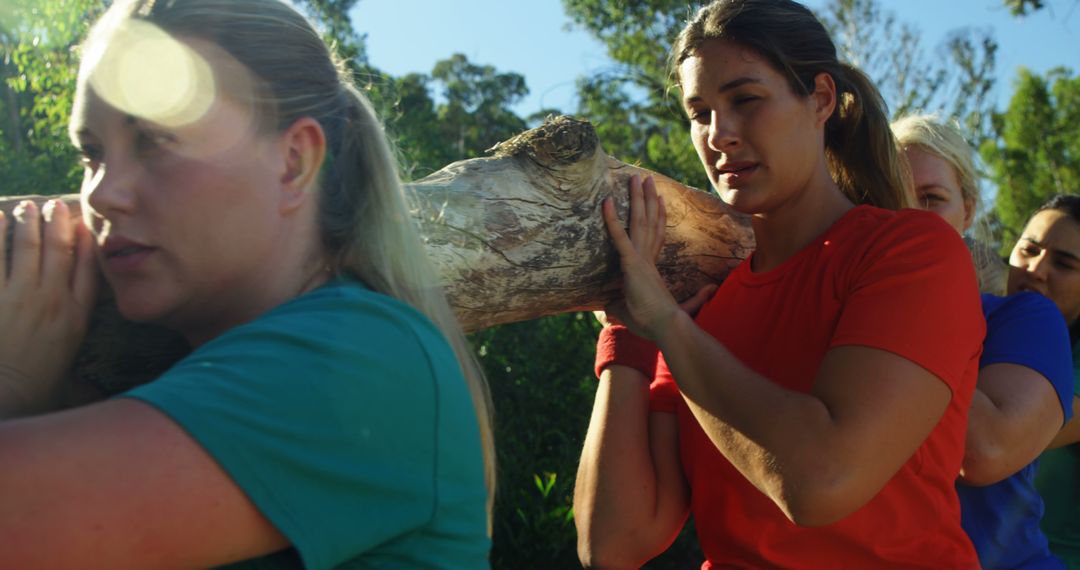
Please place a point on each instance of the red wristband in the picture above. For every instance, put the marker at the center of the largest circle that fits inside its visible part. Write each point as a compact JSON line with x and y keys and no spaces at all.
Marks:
{"x":617,"y":345}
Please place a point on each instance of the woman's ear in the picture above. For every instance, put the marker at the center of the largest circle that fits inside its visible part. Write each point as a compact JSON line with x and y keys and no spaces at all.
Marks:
{"x":303,"y":147}
{"x":969,"y":213}
{"x":824,"y":97}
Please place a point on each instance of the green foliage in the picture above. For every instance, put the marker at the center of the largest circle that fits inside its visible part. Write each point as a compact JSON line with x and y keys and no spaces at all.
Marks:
{"x":333,"y":17}
{"x":37,"y":84}
{"x":469,"y":113}
{"x":542,"y":383}
{"x":637,"y":118}
{"x":1037,"y":150}
{"x":973,"y":55}
{"x":543,"y":386}
{"x":956,"y":82}
{"x":476,"y":114}
{"x":870,"y":38}
{"x":458,"y":112}
{"x":1023,"y":7}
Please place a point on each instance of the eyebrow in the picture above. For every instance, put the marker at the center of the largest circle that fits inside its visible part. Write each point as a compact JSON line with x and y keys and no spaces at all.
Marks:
{"x":733,"y":84}
{"x":1061,"y":252}
{"x":83,"y":132}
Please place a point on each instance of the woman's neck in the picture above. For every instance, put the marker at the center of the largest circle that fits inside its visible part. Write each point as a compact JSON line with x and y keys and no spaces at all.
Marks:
{"x":787,"y":229}
{"x":299,"y":264}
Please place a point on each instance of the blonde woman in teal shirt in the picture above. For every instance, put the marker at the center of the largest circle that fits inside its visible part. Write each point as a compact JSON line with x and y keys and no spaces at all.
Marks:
{"x":241,"y":192}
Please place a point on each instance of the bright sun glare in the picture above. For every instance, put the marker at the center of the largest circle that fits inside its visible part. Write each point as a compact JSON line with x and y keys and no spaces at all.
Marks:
{"x":144,"y":72}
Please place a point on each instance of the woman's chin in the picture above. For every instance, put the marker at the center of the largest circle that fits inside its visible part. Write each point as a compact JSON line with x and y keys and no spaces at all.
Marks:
{"x":739,"y":200}
{"x":140,"y":311}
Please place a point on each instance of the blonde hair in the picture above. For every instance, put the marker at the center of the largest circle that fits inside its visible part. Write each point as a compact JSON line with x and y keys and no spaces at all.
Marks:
{"x":944,"y":140}
{"x":859,"y":147}
{"x":363,"y":217}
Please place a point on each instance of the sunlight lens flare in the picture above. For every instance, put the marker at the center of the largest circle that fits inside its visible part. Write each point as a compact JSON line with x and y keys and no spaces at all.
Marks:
{"x":145,"y":72}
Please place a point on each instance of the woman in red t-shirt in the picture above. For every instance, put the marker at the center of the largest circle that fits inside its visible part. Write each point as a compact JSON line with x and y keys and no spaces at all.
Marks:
{"x":813,"y":413}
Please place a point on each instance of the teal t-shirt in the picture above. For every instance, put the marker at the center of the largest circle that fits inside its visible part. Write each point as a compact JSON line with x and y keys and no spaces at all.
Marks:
{"x":344,"y":416}
{"x":1058,"y":481}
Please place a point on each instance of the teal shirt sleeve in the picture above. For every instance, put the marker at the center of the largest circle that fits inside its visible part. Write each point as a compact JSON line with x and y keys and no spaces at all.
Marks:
{"x":344,"y":417}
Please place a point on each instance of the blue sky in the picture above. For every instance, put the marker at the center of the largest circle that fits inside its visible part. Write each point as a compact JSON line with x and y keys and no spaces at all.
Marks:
{"x":530,"y":37}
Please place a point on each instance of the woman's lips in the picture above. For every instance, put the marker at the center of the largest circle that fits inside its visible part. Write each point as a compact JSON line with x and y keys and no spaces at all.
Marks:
{"x":738,"y":171}
{"x":128,"y":259}
{"x":125,"y":255}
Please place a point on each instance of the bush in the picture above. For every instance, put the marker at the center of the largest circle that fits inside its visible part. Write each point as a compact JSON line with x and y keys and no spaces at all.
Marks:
{"x":543,"y":386}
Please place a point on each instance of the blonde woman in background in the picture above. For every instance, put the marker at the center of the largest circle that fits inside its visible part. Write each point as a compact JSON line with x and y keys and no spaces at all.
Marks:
{"x":949,"y":187}
{"x":1024,"y":393}
{"x":241,"y":192}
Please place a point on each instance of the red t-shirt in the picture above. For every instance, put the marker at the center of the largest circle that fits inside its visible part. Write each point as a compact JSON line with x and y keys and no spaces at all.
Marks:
{"x":897,"y":281}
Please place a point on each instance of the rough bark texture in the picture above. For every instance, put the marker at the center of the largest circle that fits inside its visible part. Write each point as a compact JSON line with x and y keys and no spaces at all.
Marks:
{"x":520,"y":235}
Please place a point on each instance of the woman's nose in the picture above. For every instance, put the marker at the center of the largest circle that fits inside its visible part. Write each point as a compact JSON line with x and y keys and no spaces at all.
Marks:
{"x":1039,"y":266}
{"x":111,"y":188}
{"x":722,"y":135}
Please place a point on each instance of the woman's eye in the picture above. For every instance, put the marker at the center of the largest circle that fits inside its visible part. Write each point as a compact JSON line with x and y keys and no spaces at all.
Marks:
{"x":150,"y":141}
{"x":699,"y":116}
{"x":1065,"y":263}
{"x":743,"y":99}
{"x":1030,"y":251}
{"x":90,"y":156}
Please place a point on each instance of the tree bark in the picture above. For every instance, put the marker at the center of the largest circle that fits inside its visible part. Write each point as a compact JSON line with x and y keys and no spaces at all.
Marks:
{"x":520,"y":235}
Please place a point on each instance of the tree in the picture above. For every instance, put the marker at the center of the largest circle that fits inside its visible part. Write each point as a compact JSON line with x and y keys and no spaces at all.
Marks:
{"x":37,"y":85}
{"x":1023,"y":7}
{"x":1037,"y":150}
{"x":957,"y":83}
{"x":631,"y":104}
{"x":477,"y":114}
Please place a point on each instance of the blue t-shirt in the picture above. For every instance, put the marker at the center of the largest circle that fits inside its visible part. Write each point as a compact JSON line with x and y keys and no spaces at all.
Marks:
{"x":1003,"y":519}
{"x":344,"y":417}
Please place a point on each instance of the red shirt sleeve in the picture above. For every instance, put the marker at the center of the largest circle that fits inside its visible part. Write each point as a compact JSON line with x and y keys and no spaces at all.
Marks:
{"x":914,"y":293}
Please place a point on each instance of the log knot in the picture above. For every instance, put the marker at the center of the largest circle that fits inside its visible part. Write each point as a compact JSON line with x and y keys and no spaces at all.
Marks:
{"x":560,"y":141}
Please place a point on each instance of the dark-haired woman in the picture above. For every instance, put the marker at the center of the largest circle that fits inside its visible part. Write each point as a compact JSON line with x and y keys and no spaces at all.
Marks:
{"x":813,"y":413}
{"x":1046,"y":259}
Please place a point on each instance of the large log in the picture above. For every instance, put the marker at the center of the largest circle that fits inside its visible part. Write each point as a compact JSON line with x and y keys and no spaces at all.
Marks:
{"x":520,"y":235}
{"x":515,"y":236}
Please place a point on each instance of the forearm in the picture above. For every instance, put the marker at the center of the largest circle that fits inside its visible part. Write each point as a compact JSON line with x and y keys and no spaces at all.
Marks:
{"x":818,"y":455}
{"x":623,"y":505}
{"x":985,"y":450}
{"x":1014,"y":414}
{"x":21,"y":396}
{"x":778,"y":439}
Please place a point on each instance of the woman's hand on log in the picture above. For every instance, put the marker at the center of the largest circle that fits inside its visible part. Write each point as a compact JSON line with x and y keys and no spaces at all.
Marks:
{"x":647,"y":305}
{"x":691,"y":306}
{"x":48,"y":283}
